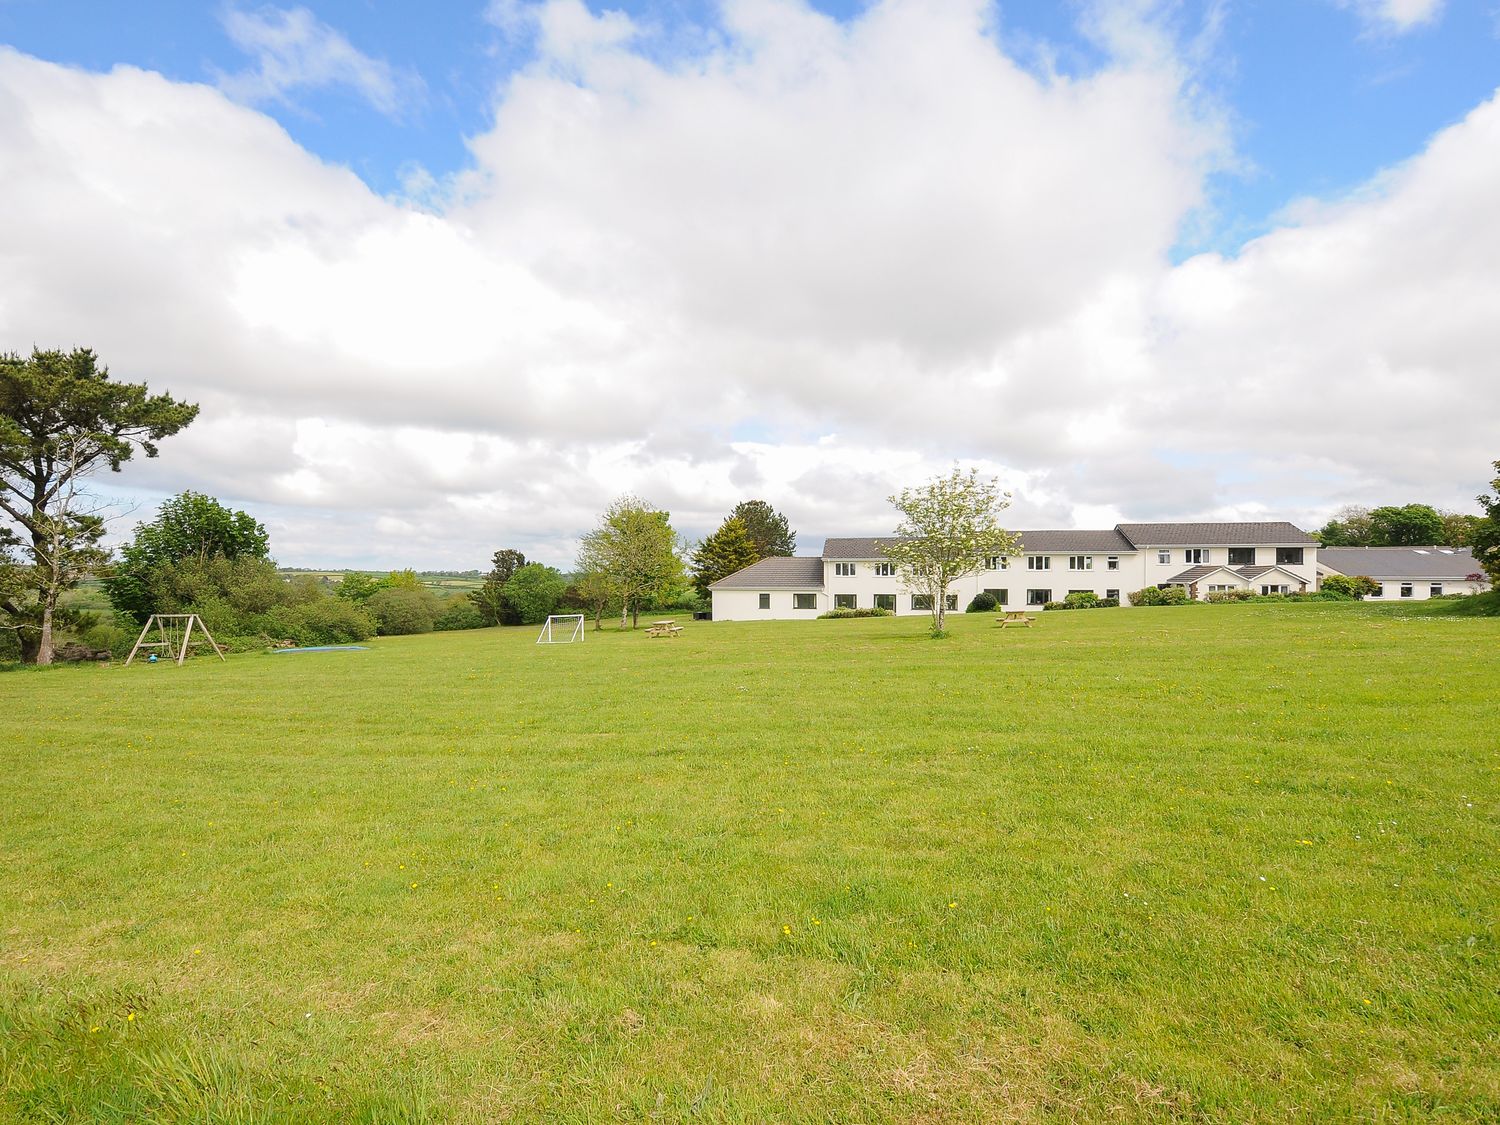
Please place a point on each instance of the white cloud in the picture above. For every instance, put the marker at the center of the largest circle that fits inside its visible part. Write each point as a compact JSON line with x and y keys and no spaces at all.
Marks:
{"x":294,"y":50}
{"x":812,"y":262}
{"x":1394,"y":16}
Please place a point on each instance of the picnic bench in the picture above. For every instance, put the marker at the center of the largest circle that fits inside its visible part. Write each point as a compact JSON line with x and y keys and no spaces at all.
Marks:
{"x":1014,"y":617}
{"x":667,"y":628}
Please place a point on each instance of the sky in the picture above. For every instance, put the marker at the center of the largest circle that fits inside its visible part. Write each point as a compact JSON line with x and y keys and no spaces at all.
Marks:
{"x":449,"y":278}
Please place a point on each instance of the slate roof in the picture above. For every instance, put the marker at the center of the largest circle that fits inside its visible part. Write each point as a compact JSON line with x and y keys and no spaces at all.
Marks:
{"x":1400,"y":562}
{"x":1248,"y":573}
{"x":803,"y":572}
{"x":1062,"y":542}
{"x":861,"y":547}
{"x":1279,"y":533}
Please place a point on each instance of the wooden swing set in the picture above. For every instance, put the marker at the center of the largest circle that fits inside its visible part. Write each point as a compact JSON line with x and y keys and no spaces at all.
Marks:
{"x":174,"y":633}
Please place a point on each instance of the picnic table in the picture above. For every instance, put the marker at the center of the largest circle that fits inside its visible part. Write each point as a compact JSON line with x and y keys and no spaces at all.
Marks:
{"x":1014,"y":617}
{"x":667,"y":628}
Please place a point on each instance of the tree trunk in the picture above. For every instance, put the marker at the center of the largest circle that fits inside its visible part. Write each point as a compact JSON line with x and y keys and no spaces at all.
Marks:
{"x":44,"y":639}
{"x":635,"y":615}
{"x":29,"y":643}
{"x":939,"y":609}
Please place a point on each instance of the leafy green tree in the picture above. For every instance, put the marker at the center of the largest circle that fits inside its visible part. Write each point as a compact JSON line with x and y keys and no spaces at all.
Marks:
{"x":190,"y":528}
{"x":358,"y":588}
{"x":1413,"y":525}
{"x":768,"y":529}
{"x":407,"y":579}
{"x":592,"y":582}
{"x":61,"y":419}
{"x":635,"y":546}
{"x":489,"y":599}
{"x":401,"y":610}
{"x":1350,"y":527}
{"x":949,"y":527}
{"x":534,"y":591}
{"x":1458,"y":528}
{"x":725,"y":551}
{"x":1485,"y":542}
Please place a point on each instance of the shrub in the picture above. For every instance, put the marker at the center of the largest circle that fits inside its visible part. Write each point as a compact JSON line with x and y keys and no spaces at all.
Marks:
{"x":984,"y":602}
{"x":460,"y":613}
{"x":402,"y":611}
{"x":1108,"y":603}
{"x":111,"y":637}
{"x":1153,"y":595}
{"x":328,"y":621}
{"x":1220,"y":597}
{"x":533,"y":592}
{"x":1356,"y":586}
{"x":1057,"y":605}
{"x":844,"y":614}
{"x":1082,"y":599}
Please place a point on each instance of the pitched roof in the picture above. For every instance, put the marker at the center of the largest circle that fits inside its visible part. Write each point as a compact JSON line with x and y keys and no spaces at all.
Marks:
{"x":1042,"y":542}
{"x":1214,"y":534}
{"x":779,"y":573}
{"x":859,"y":547}
{"x":1400,"y":562}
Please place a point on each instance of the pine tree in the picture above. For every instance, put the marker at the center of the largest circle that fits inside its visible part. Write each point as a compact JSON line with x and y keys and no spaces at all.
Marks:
{"x":725,"y":551}
{"x":768,"y":529}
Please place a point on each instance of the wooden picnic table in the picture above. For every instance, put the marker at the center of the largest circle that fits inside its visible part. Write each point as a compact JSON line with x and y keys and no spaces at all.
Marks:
{"x":667,"y":628}
{"x":1014,"y":617}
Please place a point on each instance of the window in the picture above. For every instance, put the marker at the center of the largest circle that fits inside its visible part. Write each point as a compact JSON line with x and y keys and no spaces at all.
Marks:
{"x":1163,"y":556}
{"x":1375,"y":593}
{"x":950,"y":601}
{"x":1242,"y":556}
{"x":997,"y":562}
{"x":804,"y":601}
{"x":1288,"y":556}
{"x":765,"y":601}
{"x":1222,"y":589}
{"x":1406,"y":589}
{"x":886,"y":601}
{"x":884,"y":570}
{"x":1112,"y":563}
{"x":1267,"y":591}
{"x":1112,"y":594}
{"x":1038,"y":562}
{"x":1197,"y":556}
{"x":844,"y":601}
{"x":1080,"y":562}
{"x":921,"y":601}
{"x":844,"y":570}
{"x":1038,"y":597}
{"x":1000,"y":596}
{"x":1435,"y":590}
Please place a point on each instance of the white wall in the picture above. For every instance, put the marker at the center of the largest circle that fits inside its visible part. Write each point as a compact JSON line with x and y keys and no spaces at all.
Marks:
{"x":744,"y":605}
{"x":1421,"y":588}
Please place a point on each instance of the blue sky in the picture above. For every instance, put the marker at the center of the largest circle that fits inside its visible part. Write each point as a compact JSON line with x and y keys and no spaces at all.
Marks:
{"x":1319,"y":98}
{"x":1186,"y":259}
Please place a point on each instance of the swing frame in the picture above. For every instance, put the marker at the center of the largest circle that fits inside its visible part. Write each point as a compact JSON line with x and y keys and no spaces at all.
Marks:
{"x":178,"y":652}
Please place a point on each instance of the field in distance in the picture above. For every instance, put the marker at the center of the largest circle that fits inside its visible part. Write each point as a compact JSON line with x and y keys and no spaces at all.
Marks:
{"x":444,"y":585}
{"x":1214,"y":864}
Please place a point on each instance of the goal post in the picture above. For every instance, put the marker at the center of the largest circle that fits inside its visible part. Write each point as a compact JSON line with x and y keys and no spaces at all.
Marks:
{"x":562,"y":629}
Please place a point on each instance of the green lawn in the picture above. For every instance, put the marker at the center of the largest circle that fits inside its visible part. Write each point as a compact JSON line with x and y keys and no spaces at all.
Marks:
{"x":1216,"y":864}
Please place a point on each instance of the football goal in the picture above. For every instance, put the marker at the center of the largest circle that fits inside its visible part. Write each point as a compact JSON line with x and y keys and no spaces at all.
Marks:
{"x":562,"y":629}
{"x":174,"y":634}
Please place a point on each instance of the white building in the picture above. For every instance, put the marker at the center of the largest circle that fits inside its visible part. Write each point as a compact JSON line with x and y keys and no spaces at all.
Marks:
{"x":1414,"y":573}
{"x":1204,"y":558}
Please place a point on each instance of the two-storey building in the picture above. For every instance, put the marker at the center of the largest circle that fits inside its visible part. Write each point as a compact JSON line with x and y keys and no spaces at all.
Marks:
{"x":1204,"y":558}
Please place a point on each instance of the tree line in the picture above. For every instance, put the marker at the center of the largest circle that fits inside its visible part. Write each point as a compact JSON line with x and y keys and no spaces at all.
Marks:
{"x":63,"y":419}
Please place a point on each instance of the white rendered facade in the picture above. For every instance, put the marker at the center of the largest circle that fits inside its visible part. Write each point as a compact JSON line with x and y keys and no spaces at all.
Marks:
{"x":853,"y":573}
{"x":1407,"y":573}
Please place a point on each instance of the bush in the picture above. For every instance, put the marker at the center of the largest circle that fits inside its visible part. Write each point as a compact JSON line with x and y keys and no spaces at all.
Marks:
{"x":1082,"y":599}
{"x":533,"y":592}
{"x":984,"y":602}
{"x":111,"y":637}
{"x":845,"y":614}
{"x":1152,"y":595}
{"x":1220,"y":597}
{"x":402,"y":611}
{"x":328,"y":621}
{"x":460,"y":613}
{"x":1356,"y":586}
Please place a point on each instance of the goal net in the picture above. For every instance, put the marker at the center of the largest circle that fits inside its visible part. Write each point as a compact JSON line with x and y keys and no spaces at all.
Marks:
{"x":562,"y":629}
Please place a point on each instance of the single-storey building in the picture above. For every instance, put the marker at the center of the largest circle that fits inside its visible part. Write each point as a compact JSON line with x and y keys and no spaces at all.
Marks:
{"x":1203,"y":558}
{"x":1415,"y":573}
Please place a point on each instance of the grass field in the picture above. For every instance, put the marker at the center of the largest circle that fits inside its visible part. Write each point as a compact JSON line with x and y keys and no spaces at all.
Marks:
{"x":1209,"y":864}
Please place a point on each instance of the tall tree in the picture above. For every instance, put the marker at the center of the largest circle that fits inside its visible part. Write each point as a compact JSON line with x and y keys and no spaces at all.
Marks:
{"x":768,"y":529}
{"x":637,"y":548}
{"x":1485,"y":542}
{"x":593,"y":584}
{"x":949,"y":527}
{"x":534,"y":591}
{"x":1350,"y":527}
{"x":489,"y":599}
{"x":1458,"y":528}
{"x":190,"y":528}
{"x":1413,"y":525}
{"x":61,"y":418}
{"x":725,"y":551}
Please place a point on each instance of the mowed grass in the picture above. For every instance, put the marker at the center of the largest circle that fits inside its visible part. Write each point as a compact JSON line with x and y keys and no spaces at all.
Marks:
{"x":1215,"y":864}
